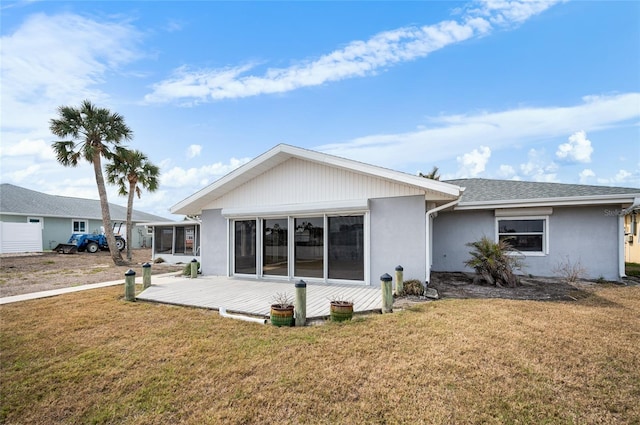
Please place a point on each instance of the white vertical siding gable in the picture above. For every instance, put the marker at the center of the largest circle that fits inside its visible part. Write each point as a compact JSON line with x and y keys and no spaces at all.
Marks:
{"x":297,"y":181}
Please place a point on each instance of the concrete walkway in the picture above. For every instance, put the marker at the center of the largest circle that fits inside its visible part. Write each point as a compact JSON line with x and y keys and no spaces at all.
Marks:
{"x":68,"y":290}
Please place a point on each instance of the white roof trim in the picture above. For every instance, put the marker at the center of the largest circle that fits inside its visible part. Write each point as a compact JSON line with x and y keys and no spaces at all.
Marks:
{"x":170,"y":223}
{"x":548,"y":202}
{"x":298,"y":209}
{"x":196,"y":202}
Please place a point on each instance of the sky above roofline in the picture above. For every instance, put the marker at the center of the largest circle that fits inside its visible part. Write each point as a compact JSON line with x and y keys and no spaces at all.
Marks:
{"x":539,"y":91}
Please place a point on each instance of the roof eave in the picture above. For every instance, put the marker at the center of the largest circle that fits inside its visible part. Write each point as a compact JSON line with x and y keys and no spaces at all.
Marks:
{"x":565,"y":201}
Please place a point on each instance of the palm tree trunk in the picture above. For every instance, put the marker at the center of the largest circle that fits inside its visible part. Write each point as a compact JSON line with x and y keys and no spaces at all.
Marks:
{"x":106,"y":215}
{"x":132,"y":188}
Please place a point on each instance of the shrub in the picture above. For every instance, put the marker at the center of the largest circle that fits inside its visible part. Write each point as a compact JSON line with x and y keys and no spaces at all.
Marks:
{"x":158,"y":260}
{"x":494,"y":262}
{"x":412,"y":287}
{"x":569,"y":271}
{"x":282,"y":300}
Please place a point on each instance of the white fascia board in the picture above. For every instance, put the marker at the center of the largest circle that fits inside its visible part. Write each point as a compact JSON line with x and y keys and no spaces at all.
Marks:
{"x":548,"y":202}
{"x":169,"y":223}
{"x":298,"y":209}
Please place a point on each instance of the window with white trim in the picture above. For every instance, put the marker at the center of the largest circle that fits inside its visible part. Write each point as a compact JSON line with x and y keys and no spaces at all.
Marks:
{"x":80,"y":226}
{"x":527,"y":235}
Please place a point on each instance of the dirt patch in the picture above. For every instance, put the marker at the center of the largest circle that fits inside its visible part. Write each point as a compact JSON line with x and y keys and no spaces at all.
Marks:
{"x":460,"y":285}
{"x":22,"y":274}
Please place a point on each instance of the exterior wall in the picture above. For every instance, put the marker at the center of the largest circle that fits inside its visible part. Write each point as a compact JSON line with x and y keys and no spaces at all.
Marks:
{"x":398,"y":235}
{"x":632,"y":242}
{"x":213,"y":252}
{"x":586,"y":234}
{"x":297,"y":181}
{"x":452,"y":231}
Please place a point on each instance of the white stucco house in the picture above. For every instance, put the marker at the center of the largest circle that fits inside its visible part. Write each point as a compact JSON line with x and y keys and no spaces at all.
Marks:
{"x":293,"y":213}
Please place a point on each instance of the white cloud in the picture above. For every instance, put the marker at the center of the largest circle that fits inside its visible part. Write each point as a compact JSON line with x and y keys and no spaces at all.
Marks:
{"x":198,"y":177}
{"x":623,"y":177}
{"x":449,"y":135}
{"x":586,"y":175}
{"x":359,"y":58}
{"x":577,"y":149}
{"x":506,"y":171}
{"x":193,"y":151}
{"x":539,"y":168}
{"x":26,"y":147}
{"x":473,"y":163}
{"x":58,"y":59}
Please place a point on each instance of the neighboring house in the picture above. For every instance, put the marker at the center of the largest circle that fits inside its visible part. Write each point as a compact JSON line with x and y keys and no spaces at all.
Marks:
{"x":60,"y":216}
{"x":175,"y":241}
{"x":632,"y":233}
{"x":293,"y":213}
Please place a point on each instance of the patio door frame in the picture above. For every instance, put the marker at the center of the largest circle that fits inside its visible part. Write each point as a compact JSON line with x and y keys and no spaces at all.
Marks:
{"x":291,"y":246}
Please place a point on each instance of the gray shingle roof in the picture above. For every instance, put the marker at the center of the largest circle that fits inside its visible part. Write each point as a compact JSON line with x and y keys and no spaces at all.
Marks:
{"x":21,"y":201}
{"x":485,"y":190}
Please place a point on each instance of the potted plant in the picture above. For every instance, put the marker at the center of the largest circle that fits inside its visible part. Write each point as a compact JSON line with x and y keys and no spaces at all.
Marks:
{"x":341,"y":309}
{"x":282,"y":310}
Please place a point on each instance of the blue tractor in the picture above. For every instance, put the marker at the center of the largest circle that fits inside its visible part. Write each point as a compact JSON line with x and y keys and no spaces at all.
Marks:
{"x":79,"y":242}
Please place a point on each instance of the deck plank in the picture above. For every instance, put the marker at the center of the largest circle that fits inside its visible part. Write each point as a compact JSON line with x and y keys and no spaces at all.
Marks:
{"x":253,"y":297}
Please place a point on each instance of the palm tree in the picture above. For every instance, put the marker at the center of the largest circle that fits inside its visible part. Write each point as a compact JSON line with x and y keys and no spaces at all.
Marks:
{"x":132,"y":171}
{"x":92,"y":133}
{"x":433,"y":175}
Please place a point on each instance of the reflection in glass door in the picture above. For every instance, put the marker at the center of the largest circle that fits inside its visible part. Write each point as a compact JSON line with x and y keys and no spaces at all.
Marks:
{"x":346,"y":247}
{"x":245,"y":247}
{"x":309,"y":247}
{"x":275,"y":247}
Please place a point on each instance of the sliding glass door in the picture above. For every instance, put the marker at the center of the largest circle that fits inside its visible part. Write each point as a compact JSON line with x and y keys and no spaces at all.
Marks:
{"x":324,"y":247}
{"x":275,"y":247}
{"x":346,"y":247}
{"x":245,"y":247}
{"x":309,"y":247}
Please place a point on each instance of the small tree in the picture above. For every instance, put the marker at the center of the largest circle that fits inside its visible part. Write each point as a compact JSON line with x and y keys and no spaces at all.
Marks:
{"x":132,"y":171}
{"x":433,"y":174}
{"x":494,"y":262}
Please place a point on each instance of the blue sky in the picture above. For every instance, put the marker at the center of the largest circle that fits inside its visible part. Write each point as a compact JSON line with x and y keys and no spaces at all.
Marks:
{"x":541,"y":91}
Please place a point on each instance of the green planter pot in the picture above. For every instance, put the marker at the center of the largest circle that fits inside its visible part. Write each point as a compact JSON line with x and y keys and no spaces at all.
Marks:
{"x":341,"y":311}
{"x":282,"y":316}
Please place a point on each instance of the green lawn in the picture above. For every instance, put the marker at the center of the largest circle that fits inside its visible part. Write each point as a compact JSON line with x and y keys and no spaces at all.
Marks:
{"x":632,"y":269}
{"x":91,"y":358}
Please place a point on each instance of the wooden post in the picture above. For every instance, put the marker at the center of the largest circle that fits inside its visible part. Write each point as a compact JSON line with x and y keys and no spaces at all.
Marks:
{"x":146,"y":275}
{"x":300,"y":309}
{"x":194,"y":268}
{"x":387,"y":293}
{"x":399,"y":280}
{"x":130,"y":285}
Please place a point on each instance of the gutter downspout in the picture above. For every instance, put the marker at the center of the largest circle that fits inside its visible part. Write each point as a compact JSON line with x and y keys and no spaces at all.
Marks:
{"x":621,"y":236}
{"x":621,"y":269}
{"x":429,"y":215}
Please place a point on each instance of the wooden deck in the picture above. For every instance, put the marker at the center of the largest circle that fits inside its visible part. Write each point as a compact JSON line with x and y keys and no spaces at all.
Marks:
{"x":254,"y":298}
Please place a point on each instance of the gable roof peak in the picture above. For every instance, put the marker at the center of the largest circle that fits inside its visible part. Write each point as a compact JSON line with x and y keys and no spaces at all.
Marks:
{"x":283,"y":152}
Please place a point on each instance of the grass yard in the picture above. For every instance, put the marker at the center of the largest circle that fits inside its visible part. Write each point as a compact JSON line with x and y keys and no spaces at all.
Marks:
{"x":91,"y":358}
{"x":632,"y":269}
